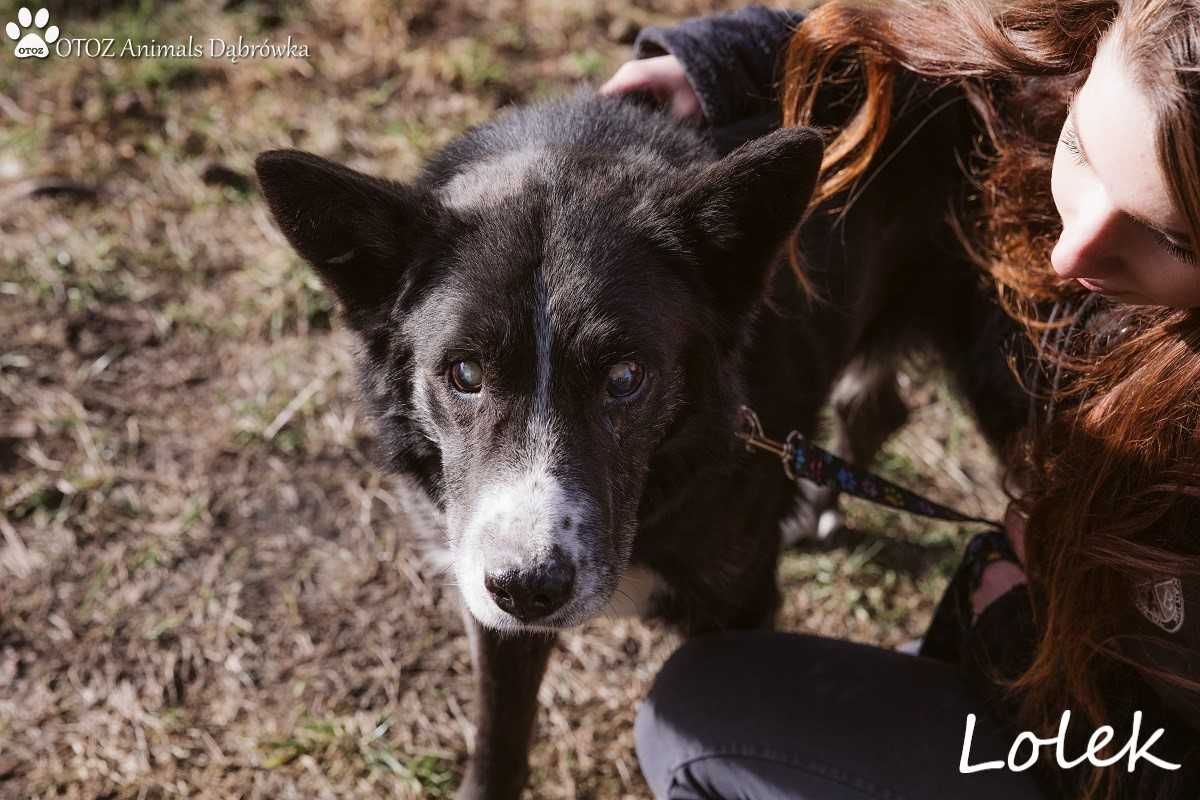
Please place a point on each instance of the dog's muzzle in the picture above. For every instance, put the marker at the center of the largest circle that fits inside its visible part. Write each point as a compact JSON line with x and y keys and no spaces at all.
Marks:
{"x":534,"y":592}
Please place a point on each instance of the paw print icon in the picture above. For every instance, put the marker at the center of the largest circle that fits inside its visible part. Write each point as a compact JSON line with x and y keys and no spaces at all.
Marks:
{"x":28,"y":32}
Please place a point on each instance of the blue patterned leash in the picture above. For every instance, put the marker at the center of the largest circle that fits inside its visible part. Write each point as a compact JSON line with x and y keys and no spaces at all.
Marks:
{"x":803,"y":459}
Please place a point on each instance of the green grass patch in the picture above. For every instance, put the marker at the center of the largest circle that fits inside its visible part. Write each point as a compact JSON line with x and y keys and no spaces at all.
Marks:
{"x":590,"y":64}
{"x":472,"y":65}
{"x":364,"y":747}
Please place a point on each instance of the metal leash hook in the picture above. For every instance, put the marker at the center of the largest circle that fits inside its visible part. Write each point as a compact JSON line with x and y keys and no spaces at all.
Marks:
{"x":750,"y":431}
{"x":819,"y":466}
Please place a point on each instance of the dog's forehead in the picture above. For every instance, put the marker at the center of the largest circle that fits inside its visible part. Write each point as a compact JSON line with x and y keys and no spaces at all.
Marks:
{"x":555,"y":241}
{"x":492,"y":181}
{"x":586,"y":293}
{"x":510,"y":304}
{"x":569,"y":173}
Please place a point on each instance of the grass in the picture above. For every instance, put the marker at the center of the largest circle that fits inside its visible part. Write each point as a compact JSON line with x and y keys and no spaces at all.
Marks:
{"x":207,"y":587}
{"x":360,"y":745}
{"x":472,"y":65}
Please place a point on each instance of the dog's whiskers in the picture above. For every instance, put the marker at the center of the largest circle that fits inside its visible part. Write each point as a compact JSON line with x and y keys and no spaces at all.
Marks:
{"x":625,"y":594}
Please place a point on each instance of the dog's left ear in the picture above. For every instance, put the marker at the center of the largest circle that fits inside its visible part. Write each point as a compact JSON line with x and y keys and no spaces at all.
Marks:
{"x":742,"y":209}
{"x":356,"y":230}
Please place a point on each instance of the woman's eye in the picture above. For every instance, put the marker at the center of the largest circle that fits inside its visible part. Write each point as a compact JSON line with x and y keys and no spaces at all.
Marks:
{"x":1070,"y":140}
{"x":1178,"y":251}
{"x":466,"y":376}
{"x":624,"y":379}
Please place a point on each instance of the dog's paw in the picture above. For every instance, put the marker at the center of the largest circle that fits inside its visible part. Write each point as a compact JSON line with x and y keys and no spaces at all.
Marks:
{"x":470,"y":793}
{"x":478,"y":784}
{"x":473,"y":790}
{"x":829,"y":522}
{"x":471,"y":787}
{"x":816,"y":519}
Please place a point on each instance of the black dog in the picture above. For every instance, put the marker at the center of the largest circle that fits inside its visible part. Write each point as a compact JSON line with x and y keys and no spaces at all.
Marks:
{"x":558,"y":321}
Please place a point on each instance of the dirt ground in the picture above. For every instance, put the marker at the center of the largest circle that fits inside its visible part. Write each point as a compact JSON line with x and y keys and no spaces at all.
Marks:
{"x":206,"y":588}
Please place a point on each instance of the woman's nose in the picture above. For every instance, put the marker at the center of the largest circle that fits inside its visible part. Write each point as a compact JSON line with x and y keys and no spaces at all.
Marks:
{"x":1089,"y":244}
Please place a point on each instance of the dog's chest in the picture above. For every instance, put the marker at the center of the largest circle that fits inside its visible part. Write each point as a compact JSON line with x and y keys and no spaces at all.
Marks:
{"x":636,"y":592}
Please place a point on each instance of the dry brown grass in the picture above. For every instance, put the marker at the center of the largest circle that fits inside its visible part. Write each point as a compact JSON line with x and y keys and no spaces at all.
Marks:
{"x":206,"y":590}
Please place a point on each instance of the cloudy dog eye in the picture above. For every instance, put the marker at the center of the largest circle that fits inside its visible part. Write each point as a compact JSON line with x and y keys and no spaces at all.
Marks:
{"x":466,"y":376}
{"x":624,"y":378}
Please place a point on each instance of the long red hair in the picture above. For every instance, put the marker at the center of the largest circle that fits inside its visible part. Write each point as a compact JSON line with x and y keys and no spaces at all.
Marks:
{"x":1112,"y":472}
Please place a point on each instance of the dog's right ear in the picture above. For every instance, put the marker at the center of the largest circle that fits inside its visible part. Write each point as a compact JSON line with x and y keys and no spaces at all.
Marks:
{"x":739,"y":211}
{"x":353,"y":228}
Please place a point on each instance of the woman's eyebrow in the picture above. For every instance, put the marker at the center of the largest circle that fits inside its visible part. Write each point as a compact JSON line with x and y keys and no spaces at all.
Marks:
{"x":1170,"y":234}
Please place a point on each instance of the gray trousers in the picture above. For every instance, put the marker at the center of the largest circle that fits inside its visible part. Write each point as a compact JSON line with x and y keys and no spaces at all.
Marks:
{"x":774,"y":715}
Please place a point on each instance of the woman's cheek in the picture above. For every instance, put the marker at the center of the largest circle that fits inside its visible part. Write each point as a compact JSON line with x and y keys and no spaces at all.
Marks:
{"x":1166,"y":281}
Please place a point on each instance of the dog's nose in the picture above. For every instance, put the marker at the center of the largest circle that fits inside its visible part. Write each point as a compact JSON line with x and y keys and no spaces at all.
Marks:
{"x":533,"y":593}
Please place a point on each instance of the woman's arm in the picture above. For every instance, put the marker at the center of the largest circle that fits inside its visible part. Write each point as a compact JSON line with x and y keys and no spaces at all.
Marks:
{"x":730,"y":62}
{"x":999,"y":644}
{"x":999,"y":647}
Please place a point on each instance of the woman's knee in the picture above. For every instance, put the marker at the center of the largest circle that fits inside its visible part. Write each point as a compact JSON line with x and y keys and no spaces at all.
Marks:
{"x":683,"y":716}
{"x":663,"y":725}
{"x":780,"y":711}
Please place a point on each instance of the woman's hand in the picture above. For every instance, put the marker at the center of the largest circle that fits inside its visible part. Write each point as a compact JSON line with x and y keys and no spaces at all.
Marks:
{"x":1001,"y":576}
{"x":663,"y":77}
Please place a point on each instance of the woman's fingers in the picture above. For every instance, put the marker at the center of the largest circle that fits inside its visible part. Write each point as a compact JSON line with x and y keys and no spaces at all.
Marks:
{"x":629,"y":77}
{"x":997,"y":579}
{"x":685,"y":105}
{"x":663,"y":77}
{"x":1014,"y":526}
{"x":1001,"y":575}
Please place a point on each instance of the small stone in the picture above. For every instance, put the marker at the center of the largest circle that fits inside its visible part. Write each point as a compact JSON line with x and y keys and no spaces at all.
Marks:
{"x":195,"y":143}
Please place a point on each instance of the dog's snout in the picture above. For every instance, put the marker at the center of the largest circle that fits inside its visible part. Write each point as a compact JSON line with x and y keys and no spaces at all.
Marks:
{"x":533,"y":593}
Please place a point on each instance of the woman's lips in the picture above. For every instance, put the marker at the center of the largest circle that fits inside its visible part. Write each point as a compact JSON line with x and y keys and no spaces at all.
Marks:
{"x":1095,"y":287}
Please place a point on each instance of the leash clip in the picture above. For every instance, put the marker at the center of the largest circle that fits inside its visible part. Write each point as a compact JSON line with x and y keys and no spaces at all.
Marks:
{"x":795,"y":440}
{"x":826,"y":469}
{"x":750,"y":431}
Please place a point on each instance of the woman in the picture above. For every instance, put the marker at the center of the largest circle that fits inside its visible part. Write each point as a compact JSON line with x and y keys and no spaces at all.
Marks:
{"x":1085,"y":211}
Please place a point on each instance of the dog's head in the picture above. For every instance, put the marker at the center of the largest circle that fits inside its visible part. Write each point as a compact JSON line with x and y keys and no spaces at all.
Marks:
{"x":532,"y":326}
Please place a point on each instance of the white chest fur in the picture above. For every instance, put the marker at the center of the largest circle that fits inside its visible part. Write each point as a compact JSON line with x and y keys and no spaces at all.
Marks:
{"x":632,"y":597}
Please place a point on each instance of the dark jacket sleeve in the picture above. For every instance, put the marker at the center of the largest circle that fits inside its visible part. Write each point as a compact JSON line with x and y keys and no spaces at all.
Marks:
{"x":1165,"y":632}
{"x":999,"y":647}
{"x":732,"y":60}
{"x":1166,"y":636}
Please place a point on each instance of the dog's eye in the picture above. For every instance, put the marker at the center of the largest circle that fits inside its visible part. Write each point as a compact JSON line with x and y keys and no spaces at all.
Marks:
{"x":466,"y":376}
{"x":624,"y":378}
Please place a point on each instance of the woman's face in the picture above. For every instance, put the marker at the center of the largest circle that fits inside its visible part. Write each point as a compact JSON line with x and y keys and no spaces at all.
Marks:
{"x":1122,"y":234}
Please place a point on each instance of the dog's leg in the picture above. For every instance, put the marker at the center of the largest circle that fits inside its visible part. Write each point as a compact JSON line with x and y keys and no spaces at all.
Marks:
{"x":867,"y":409}
{"x":508,"y":671}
